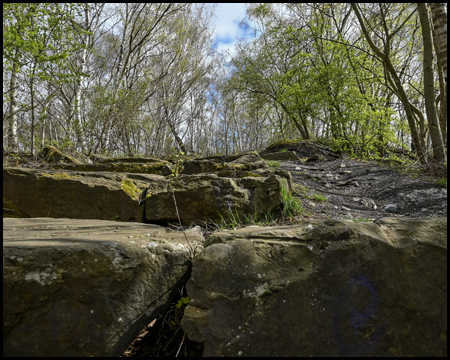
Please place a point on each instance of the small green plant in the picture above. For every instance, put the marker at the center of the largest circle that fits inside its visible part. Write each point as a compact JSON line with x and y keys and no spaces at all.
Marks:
{"x":442,"y":182}
{"x":362,"y":220}
{"x":268,"y":219}
{"x":235,"y":220}
{"x":300,"y":189}
{"x":291,"y":205}
{"x":282,"y":150}
{"x":319,"y":197}
{"x":172,"y":317}
{"x":178,"y":166}
{"x":180,"y":305}
{"x":273,"y":163}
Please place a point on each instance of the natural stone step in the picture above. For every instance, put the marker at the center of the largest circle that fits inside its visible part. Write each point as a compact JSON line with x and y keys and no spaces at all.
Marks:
{"x":282,"y":156}
{"x":76,"y":194}
{"x":322,"y":288}
{"x":207,"y":197}
{"x":157,"y":168}
{"x":86,"y":288}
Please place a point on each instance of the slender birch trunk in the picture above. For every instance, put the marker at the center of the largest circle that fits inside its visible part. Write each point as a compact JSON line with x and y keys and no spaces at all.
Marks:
{"x":433,"y":123}
{"x":12,"y":136}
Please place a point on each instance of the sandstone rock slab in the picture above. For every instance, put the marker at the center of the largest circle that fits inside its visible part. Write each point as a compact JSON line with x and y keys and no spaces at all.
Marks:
{"x":86,"y":287}
{"x":282,"y":156}
{"x":303,"y":149}
{"x":245,"y":162}
{"x":77,"y":194}
{"x":322,"y":288}
{"x":209,"y":197}
{"x":55,"y":156}
{"x":156,"y":168}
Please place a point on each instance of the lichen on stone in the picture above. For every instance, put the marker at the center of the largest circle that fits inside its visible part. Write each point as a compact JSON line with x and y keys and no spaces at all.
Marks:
{"x":130,"y":188}
{"x":59,"y":176}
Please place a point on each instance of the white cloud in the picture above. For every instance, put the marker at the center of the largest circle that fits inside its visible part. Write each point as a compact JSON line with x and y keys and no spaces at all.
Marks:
{"x":228,"y":17}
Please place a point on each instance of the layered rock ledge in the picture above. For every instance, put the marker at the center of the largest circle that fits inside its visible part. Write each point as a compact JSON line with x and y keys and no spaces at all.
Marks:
{"x":86,"y":287}
{"x":322,"y":288}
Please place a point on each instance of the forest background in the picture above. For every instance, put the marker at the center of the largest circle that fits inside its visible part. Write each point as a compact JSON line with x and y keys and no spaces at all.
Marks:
{"x":143,"y":78}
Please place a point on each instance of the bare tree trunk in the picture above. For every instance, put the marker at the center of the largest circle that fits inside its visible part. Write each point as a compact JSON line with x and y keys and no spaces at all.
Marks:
{"x":396,"y":84}
{"x":77,"y":98}
{"x":32,"y":107}
{"x":439,"y":16}
{"x":12,"y":136}
{"x":435,"y":131}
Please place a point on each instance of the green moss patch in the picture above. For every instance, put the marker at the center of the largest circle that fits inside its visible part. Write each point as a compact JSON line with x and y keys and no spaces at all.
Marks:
{"x":130,"y":188}
{"x":60,"y":176}
{"x":283,"y":143}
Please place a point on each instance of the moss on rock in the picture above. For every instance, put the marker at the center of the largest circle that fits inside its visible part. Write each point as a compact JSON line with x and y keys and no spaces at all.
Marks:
{"x":130,"y":188}
{"x":283,"y":143}
{"x":59,"y":176}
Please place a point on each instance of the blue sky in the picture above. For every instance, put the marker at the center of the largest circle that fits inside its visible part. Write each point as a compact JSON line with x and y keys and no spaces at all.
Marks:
{"x":228,"y":17}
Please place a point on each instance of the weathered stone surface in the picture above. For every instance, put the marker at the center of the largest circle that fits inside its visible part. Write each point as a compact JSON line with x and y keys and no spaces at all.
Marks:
{"x":242,"y":158}
{"x":76,"y":194}
{"x":123,"y":196}
{"x":204,"y":197}
{"x":248,"y":161}
{"x":304,"y":149}
{"x":247,"y":164}
{"x":157,"y":168}
{"x":316,"y":157}
{"x":85,"y":287}
{"x":322,"y":288}
{"x":55,"y":156}
{"x":282,"y":156}
{"x":128,"y":159}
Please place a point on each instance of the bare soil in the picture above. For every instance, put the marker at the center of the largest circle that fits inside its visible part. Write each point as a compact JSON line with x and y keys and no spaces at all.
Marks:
{"x":361,"y":190}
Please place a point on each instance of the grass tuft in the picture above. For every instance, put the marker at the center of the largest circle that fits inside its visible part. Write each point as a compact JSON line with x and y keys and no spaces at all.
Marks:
{"x":442,"y":182}
{"x":291,"y":205}
{"x":272,"y":163}
{"x":319,"y":197}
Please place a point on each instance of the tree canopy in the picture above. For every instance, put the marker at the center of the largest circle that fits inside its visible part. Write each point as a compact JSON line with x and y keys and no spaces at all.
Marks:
{"x":142,"y":78}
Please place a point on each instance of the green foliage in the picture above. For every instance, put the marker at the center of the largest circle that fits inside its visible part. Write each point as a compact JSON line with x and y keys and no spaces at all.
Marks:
{"x":291,"y":205}
{"x":180,"y":305}
{"x":300,"y":189}
{"x":177,"y":163}
{"x":442,"y":182}
{"x":319,"y":197}
{"x":42,"y":34}
{"x":12,"y":159}
{"x":236,"y":222}
{"x":282,"y":150}
{"x":272,"y":163}
{"x":326,"y":80}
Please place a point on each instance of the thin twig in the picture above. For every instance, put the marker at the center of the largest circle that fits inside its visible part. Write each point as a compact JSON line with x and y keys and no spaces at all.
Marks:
{"x":173,"y":336}
{"x":176,"y":355}
{"x":189,"y":243}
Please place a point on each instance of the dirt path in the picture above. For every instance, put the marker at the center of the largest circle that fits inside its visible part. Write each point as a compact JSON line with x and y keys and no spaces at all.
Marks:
{"x":363,"y":191}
